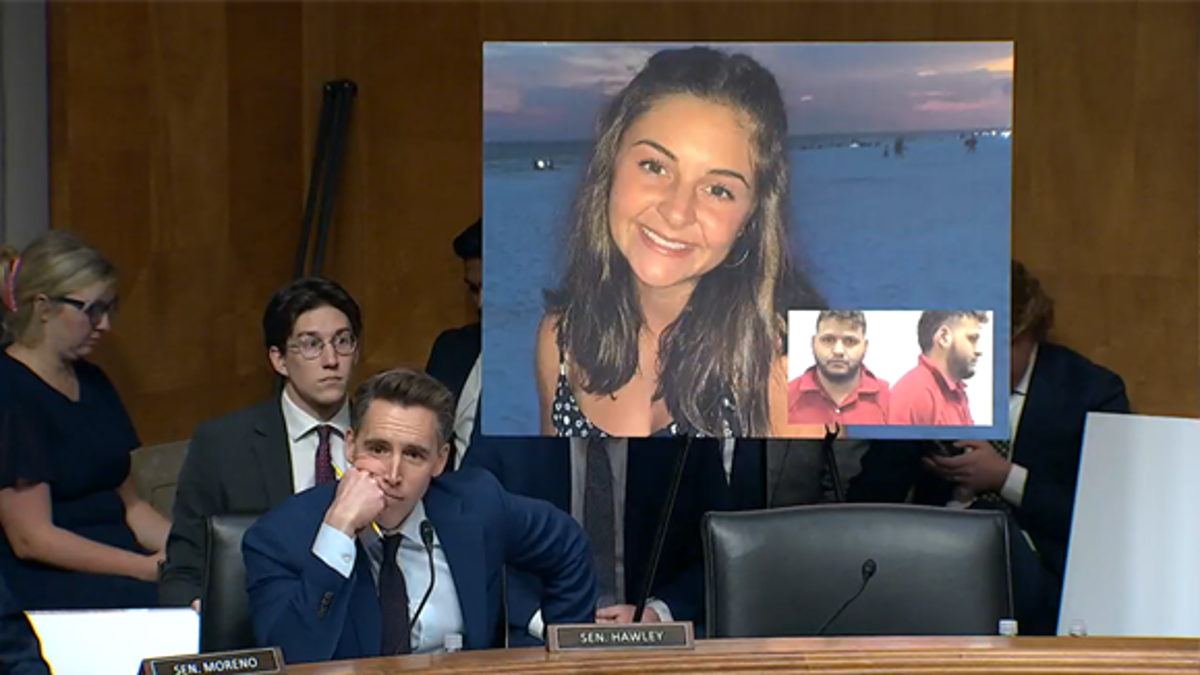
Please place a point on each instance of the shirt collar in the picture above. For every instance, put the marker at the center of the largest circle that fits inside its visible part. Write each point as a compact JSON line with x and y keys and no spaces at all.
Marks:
{"x":940,"y":377}
{"x":410,"y":528}
{"x":1022,"y":387}
{"x":300,"y":423}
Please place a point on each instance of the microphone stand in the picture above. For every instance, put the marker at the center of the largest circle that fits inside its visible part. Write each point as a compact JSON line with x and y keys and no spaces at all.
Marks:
{"x":427,"y":541}
{"x":830,"y":460}
{"x":660,"y":537}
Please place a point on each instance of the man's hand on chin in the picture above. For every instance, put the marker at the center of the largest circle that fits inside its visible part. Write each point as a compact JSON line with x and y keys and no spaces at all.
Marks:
{"x":624,"y":614}
{"x":358,"y":501}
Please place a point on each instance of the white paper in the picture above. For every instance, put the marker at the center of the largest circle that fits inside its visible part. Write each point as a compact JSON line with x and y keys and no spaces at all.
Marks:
{"x":1134,"y":562}
{"x":114,"y":641}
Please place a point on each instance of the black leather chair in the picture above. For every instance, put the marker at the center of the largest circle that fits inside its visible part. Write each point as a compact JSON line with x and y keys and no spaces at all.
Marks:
{"x":785,"y":572}
{"x":224,"y":606}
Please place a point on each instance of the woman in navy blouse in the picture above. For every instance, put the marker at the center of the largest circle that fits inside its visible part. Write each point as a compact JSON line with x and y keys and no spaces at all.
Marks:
{"x":76,"y":535}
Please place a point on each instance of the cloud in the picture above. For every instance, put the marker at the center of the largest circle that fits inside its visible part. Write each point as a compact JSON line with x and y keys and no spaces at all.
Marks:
{"x":501,"y":99}
{"x":952,"y":106}
{"x":611,"y":68}
{"x":1003,"y":64}
{"x":555,"y":90}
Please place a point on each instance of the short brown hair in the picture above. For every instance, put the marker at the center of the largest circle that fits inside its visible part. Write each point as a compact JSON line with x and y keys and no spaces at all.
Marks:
{"x":1032,"y":308}
{"x":407,"y":388}
{"x":931,"y":321}
{"x":853,"y":317}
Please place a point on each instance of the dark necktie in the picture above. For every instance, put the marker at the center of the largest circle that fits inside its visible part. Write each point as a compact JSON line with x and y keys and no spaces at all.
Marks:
{"x":393,"y":600}
{"x":599,"y":519}
{"x":324,"y":463}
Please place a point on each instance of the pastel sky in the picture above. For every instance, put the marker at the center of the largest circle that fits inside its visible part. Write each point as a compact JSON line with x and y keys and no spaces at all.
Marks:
{"x":553,"y":91}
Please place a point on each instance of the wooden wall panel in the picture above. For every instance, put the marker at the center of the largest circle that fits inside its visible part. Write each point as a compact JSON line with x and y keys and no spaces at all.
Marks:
{"x":412,"y":177}
{"x":175,"y":150}
{"x":182,"y":136}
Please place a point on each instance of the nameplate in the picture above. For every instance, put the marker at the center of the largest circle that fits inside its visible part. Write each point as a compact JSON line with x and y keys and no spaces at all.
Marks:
{"x":269,"y":660}
{"x":575,"y":637}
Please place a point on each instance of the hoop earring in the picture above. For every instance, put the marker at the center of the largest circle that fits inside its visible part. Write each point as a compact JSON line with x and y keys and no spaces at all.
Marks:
{"x":745,"y":254}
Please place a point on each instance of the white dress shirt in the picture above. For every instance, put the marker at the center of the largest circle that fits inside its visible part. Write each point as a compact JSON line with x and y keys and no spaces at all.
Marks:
{"x":442,"y":614}
{"x":303,"y":441}
{"x":464,"y":414}
{"x":618,"y":457}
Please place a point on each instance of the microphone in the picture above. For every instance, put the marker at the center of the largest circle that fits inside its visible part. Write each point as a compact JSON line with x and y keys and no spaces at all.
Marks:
{"x":868,"y":570}
{"x":427,"y":540}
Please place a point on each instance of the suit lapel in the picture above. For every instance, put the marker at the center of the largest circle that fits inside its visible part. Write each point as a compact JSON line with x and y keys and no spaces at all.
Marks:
{"x":1039,"y":401}
{"x":461,"y":537}
{"x":273,"y":451}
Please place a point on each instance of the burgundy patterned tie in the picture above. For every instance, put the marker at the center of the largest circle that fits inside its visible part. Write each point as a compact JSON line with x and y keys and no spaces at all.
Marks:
{"x":324,"y":456}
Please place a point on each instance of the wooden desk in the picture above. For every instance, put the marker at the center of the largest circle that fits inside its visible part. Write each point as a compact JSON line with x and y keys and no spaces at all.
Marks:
{"x":843,"y":656}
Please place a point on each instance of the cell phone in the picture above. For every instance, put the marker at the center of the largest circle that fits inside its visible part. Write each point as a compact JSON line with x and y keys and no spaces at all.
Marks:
{"x":944,"y":449}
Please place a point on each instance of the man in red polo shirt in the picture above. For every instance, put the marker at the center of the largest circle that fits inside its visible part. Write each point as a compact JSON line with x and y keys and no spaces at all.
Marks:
{"x":935,"y":392}
{"x":838,"y":388}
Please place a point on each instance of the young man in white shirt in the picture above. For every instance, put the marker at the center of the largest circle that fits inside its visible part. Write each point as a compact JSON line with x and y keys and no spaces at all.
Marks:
{"x":252,"y":459}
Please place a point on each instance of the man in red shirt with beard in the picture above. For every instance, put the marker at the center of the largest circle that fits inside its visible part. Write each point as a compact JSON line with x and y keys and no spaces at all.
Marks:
{"x":934,"y":392}
{"x":838,"y":388}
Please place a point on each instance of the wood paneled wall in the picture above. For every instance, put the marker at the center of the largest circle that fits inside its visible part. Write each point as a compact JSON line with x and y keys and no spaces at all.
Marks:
{"x":182,"y":134}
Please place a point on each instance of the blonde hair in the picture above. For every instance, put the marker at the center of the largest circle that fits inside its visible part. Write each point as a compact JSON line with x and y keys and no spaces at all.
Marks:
{"x":57,"y":264}
{"x":8,"y":256}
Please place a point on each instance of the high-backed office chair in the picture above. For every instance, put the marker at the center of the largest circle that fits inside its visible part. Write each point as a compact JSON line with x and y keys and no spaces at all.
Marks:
{"x":785,"y":572}
{"x":224,"y":606}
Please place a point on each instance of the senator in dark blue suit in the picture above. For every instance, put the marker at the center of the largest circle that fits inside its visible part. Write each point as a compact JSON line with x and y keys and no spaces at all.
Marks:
{"x":319,"y":585}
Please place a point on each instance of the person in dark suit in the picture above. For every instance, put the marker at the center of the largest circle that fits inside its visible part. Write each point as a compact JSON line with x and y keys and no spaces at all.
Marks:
{"x":20,"y":651}
{"x":253,"y":459}
{"x":557,"y":470}
{"x":454,"y":358}
{"x":337,"y":571}
{"x":1033,"y":476}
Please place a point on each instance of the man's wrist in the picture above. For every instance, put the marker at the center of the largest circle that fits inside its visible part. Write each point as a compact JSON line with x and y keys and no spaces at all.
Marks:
{"x":335,"y":519}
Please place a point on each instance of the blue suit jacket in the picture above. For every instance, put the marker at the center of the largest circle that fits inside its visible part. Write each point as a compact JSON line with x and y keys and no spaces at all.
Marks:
{"x":541,"y":468}
{"x":312,"y":613}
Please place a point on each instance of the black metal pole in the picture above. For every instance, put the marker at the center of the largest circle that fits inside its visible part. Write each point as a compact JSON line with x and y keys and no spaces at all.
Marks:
{"x":660,"y":537}
{"x":315,"y":178}
{"x":341,"y":127}
{"x":839,"y":492}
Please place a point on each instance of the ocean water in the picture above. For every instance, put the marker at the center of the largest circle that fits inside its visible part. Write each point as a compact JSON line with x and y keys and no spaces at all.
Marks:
{"x":929,"y":230}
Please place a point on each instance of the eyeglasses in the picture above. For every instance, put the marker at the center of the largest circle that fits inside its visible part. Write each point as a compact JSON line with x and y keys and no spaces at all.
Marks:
{"x":95,"y":311}
{"x":311,"y":347}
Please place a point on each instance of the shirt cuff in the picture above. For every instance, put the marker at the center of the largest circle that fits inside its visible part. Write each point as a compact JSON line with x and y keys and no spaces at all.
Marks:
{"x":660,"y":607}
{"x":335,"y":549}
{"x":1013,"y":491}
{"x":537,"y":628}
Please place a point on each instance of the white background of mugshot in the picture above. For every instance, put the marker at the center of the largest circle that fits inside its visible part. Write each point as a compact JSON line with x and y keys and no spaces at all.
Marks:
{"x":892,"y":351}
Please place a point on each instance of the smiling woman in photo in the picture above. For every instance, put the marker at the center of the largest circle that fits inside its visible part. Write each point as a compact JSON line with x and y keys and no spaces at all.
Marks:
{"x":670,"y":317}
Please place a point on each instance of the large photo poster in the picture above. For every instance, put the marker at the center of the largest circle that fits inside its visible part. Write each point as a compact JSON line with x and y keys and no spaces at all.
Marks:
{"x":666,"y":223}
